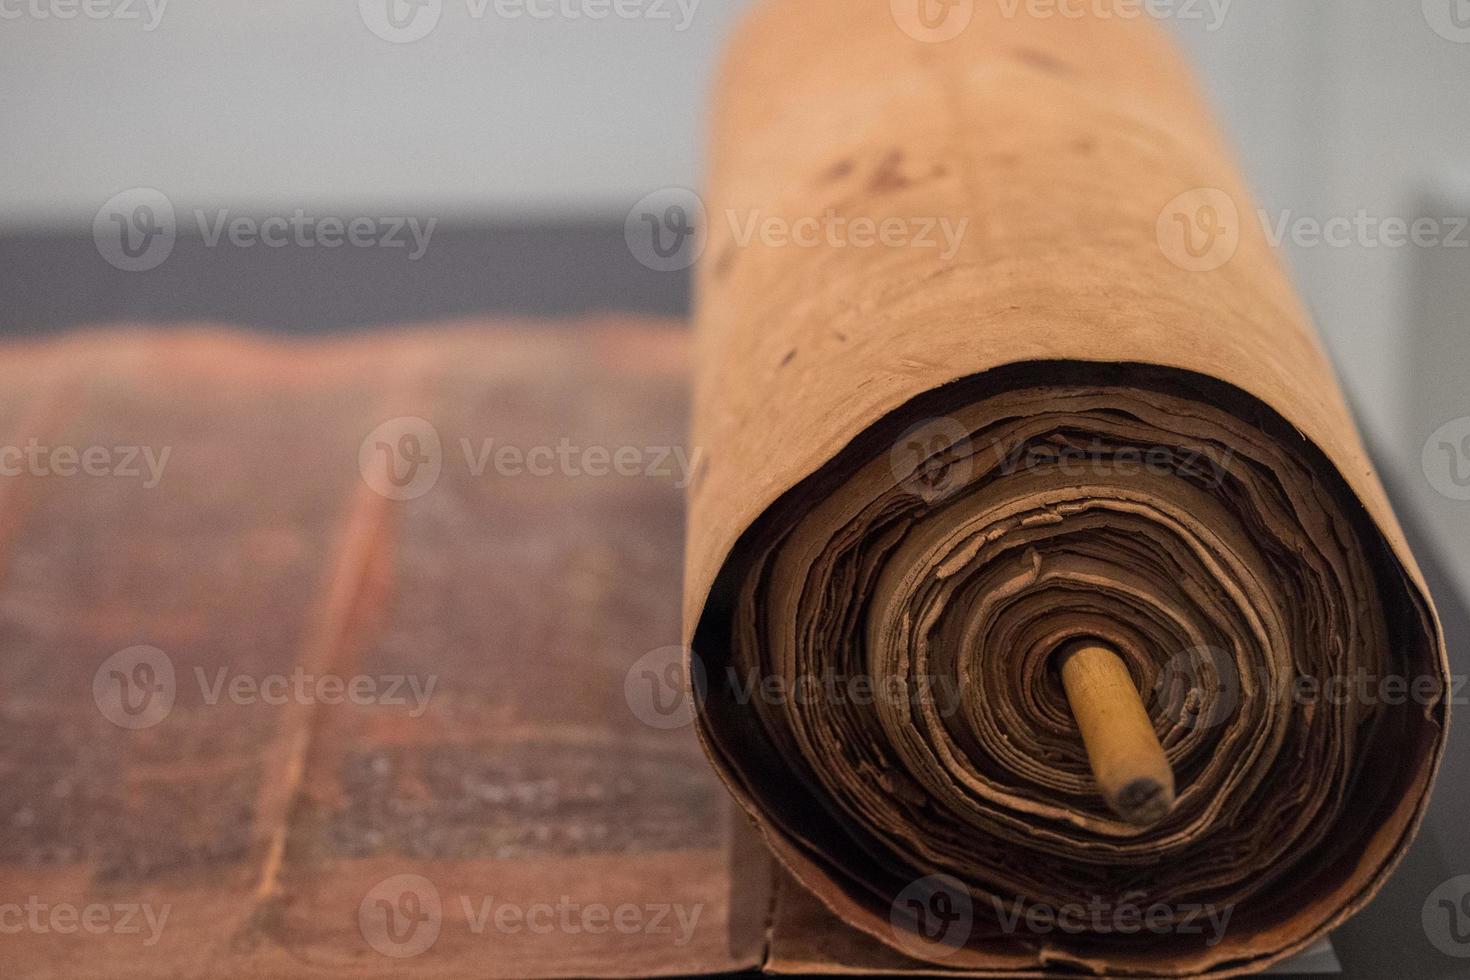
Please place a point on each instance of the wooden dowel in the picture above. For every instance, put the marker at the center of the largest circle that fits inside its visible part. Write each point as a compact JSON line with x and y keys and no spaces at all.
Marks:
{"x":1127,"y":760}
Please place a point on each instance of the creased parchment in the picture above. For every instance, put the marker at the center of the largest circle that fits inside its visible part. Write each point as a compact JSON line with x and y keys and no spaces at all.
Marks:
{"x":1067,"y":393}
{"x":383,"y":731}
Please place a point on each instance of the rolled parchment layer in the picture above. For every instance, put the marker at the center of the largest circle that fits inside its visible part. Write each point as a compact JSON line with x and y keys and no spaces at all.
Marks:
{"x":1092,"y":408}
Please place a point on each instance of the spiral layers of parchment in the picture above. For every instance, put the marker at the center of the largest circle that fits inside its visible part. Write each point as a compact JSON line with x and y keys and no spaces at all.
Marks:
{"x":891,"y":668}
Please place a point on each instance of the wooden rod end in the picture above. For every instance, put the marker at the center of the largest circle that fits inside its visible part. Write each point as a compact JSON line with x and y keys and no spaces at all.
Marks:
{"x":1126,"y":758}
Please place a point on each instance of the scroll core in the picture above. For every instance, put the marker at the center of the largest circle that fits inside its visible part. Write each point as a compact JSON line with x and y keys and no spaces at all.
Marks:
{"x":1126,"y":758}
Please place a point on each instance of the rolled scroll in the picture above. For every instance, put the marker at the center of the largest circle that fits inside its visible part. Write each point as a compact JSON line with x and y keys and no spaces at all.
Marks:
{"x":992,"y":358}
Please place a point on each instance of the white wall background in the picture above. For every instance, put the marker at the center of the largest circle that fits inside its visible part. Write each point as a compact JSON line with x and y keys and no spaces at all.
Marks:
{"x":1339,"y":107}
{"x":1336,"y":106}
{"x":276,"y":103}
